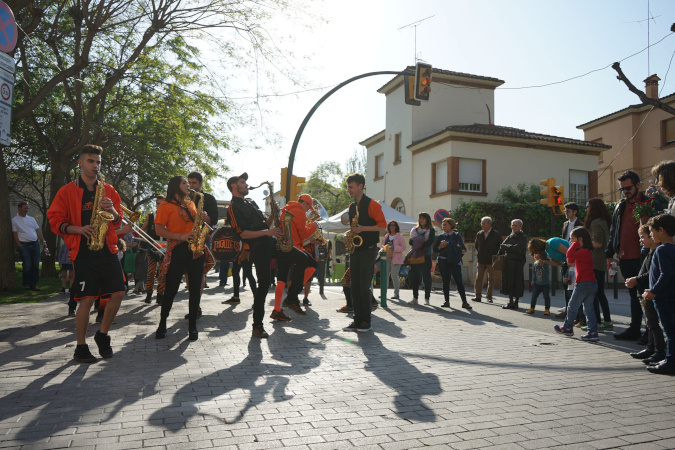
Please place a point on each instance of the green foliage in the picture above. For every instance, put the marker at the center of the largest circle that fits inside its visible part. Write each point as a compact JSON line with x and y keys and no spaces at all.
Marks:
{"x":327,"y":184}
{"x":523,"y":193}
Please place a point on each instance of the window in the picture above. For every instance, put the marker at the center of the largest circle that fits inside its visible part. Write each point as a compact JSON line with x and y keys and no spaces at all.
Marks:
{"x":470,"y":175}
{"x":441,"y":176}
{"x":669,"y":131}
{"x":379,"y":166}
{"x":397,"y":148}
{"x":398,"y":205}
{"x":578,"y":187}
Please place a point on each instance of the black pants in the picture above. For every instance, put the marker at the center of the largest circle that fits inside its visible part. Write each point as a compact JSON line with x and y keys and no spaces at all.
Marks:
{"x":630,"y":268}
{"x":361,"y":267}
{"x":248,"y":275}
{"x":181,"y":262}
{"x":292,"y":266}
{"x":448,"y":270}
{"x":601,"y":298}
{"x":321,"y":274}
{"x":656,"y":341}
{"x":424,"y":271}
{"x":261,"y":257}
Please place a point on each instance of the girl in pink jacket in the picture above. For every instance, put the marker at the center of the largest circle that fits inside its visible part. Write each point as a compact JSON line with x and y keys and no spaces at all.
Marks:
{"x":395,"y":242}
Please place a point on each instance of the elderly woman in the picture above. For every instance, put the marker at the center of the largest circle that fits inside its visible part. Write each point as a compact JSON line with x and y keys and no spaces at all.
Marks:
{"x":513,"y":247}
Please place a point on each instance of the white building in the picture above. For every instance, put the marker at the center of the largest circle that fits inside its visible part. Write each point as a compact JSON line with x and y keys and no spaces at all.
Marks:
{"x":448,"y":149}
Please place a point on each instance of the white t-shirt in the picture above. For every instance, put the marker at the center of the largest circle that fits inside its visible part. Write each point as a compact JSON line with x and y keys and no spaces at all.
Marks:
{"x":25,"y":228}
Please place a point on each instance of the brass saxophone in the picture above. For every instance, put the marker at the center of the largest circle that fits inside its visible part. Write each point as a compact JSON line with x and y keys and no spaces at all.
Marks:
{"x":99,"y":218}
{"x":200,"y":228}
{"x":312,"y":217}
{"x":285,"y":243}
{"x":351,"y":239}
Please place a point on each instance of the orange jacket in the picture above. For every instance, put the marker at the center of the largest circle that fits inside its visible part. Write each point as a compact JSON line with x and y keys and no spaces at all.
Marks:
{"x":299,"y":228}
{"x":66,"y":209}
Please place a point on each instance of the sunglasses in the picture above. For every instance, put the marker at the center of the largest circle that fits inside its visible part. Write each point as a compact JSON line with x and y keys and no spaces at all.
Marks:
{"x":627,"y":188}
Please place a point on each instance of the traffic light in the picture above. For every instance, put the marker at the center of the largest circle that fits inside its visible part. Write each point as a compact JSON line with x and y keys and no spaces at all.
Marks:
{"x":409,"y":91}
{"x":558,"y":200}
{"x":547,"y":192}
{"x":296,"y":186}
{"x":284,"y":180}
{"x":422,"y":81}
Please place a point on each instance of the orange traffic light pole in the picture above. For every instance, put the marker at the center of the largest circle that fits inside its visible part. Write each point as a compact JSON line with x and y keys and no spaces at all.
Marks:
{"x":291,"y":157}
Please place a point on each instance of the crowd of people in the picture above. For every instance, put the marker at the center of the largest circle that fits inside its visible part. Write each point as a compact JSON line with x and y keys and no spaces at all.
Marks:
{"x":286,"y":252}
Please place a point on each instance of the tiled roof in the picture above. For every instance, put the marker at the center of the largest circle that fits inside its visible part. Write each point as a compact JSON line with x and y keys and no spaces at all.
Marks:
{"x":666,"y":99}
{"x":513,"y":133}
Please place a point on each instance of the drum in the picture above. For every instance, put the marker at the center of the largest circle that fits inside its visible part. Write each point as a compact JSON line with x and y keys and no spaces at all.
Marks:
{"x":225,"y":244}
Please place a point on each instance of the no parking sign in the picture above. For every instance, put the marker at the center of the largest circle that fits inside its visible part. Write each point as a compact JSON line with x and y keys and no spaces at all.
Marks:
{"x":8,"y":29}
{"x":441,"y":214}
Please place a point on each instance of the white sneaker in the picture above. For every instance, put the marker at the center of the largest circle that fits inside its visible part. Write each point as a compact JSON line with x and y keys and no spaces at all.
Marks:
{"x":413,"y":302}
{"x":426,"y":301}
{"x":562,"y":309}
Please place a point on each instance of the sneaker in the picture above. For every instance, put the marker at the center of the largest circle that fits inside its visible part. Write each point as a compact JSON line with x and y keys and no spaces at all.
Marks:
{"x":489,"y":300}
{"x":280,"y":316}
{"x":607,"y":326}
{"x":579,"y":324}
{"x":566,"y":331}
{"x":395,"y":297}
{"x":83,"y":355}
{"x":363,"y":327}
{"x":547,"y":312}
{"x":345,"y":309}
{"x":103,"y":342}
{"x":295,"y":307}
{"x":476,"y":299}
{"x":63,"y":290}
{"x":199,"y":314}
{"x":562,"y":310}
{"x":259,"y":332}
{"x":148,"y":297}
{"x":562,"y":314}
{"x":231,"y":301}
{"x":426,"y":301}
{"x":592,"y":337}
{"x":413,"y":302}
{"x":351,"y":327}
{"x":465,"y":305}
{"x":306,"y":302}
{"x":71,"y":311}
{"x":445,"y":305}
{"x":285,"y":302}
{"x":530,"y":311}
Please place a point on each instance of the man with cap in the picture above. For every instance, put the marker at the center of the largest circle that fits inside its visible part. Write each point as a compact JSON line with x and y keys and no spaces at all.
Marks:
{"x":254,"y":229}
{"x":295,"y":266}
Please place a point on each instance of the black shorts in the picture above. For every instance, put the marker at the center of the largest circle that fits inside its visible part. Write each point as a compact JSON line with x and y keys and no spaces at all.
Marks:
{"x":98,"y":277}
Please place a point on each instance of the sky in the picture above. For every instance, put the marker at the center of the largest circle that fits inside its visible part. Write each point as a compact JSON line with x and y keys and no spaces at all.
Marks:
{"x":524,"y":43}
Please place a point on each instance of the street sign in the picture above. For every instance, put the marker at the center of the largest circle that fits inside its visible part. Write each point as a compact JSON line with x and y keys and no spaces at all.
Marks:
{"x":8,"y":28}
{"x":6,"y":92}
{"x":7,"y":63}
{"x":441,"y":214}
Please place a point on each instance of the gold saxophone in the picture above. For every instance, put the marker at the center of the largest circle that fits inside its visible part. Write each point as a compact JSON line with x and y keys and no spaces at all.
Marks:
{"x":99,"y":218}
{"x":284,"y":243}
{"x":312,"y":217}
{"x":351,"y":239}
{"x":200,"y":228}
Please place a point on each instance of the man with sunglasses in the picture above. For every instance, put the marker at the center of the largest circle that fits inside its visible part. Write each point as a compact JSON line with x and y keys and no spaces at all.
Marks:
{"x":624,"y":243}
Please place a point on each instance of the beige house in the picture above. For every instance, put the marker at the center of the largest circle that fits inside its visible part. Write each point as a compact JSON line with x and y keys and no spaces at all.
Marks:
{"x":655,"y":141}
{"x":449,"y":149}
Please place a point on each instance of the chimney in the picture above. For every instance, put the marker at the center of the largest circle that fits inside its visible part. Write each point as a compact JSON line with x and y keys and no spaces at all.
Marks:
{"x":652,"y":86}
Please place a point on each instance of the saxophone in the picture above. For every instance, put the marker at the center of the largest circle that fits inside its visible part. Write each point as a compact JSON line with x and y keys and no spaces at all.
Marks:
{"x":351,"y":239}
{"x":200,"y":228}
{"x":285,"y":243}
{"x":312,"y":217}
{"x":99,"y":218}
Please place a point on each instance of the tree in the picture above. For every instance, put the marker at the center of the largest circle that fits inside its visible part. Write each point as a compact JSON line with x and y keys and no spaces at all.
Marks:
{"x":522,"y":193}
{"x":327,"y":184}
{"x":85,"y":60}
{"x":643,"y":97}
{"x":356,"y":163}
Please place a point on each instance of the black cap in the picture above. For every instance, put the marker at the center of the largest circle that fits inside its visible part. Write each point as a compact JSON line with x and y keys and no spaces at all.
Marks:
{"x":233,"y":180}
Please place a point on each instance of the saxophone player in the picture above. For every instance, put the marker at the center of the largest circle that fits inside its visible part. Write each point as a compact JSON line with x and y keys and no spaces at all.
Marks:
{"x":76,"y":215}
{"x":175,"y":220}
{"x":295,"y":266}
{"x":210,"y":216}
{"x":370,"y":223}
{"x":254,"y":229}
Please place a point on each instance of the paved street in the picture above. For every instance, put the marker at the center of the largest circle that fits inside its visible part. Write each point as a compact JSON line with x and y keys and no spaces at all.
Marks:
{"x":426,"y":376}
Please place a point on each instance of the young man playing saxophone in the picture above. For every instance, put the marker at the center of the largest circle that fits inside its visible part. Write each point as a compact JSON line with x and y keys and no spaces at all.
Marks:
{"x":92,"y":245}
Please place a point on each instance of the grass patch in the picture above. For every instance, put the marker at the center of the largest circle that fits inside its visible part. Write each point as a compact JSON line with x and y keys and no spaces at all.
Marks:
{"x":49,"y":286}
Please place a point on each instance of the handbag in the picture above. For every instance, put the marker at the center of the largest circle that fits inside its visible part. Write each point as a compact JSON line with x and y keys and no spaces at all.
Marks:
{"x":498,"y":262}
{"x":389,"y":250}
{"x":418,"y":260}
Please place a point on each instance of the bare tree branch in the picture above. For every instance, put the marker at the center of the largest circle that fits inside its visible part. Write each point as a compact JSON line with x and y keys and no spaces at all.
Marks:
{"x":643,"y":97}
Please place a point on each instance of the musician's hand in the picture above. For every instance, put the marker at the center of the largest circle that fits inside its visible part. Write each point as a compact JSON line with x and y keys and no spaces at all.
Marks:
{"x":187,"y":236}
{"x":107,"y":204}
{"x":357,"y":229}
{"x":86,"y":230}
{"x":125,"y":229}
{"x":205,"y":218}
{"x":275,"y":232}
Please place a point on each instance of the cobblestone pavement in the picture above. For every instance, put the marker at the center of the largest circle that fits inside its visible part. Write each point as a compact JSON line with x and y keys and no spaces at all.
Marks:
{"x":426,"y":376}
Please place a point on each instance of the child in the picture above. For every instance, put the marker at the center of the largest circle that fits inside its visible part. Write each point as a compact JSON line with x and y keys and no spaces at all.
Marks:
{"x":541,"y":276}
{"x":580,"y":254}
{"x":656,"y":346}
{"x":662,"y":286}
{"x":67,"y":274}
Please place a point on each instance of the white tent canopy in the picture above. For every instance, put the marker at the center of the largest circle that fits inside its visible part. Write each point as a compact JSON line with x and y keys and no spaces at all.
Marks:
{"x":334,"y":223}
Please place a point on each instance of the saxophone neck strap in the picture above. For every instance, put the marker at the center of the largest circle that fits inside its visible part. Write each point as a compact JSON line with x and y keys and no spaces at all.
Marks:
{"x":182,"y":206}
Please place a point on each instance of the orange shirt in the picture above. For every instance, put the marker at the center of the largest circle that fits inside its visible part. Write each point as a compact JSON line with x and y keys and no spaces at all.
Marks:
{"x":175,"y":218}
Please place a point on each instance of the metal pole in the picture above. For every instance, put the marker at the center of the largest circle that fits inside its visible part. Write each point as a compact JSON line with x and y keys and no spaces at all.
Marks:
{"x":291,"y":157}
{"x":383,"y":283}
